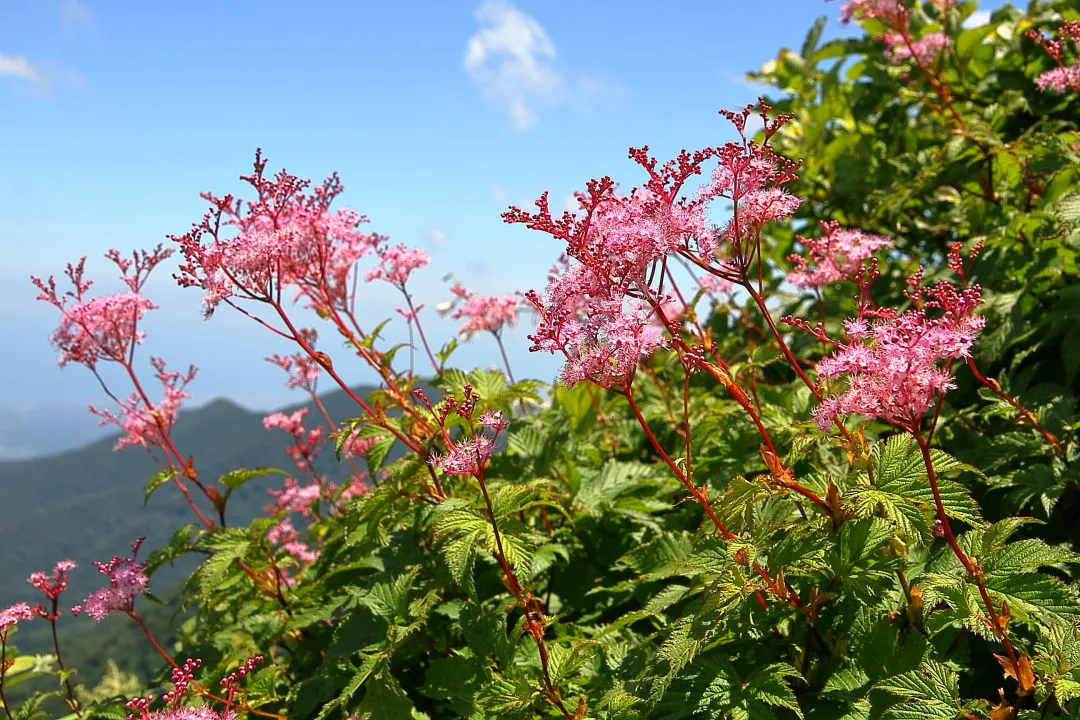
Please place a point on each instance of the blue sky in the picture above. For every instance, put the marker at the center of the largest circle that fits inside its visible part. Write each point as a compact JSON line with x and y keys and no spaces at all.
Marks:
{"x":114,"y":116}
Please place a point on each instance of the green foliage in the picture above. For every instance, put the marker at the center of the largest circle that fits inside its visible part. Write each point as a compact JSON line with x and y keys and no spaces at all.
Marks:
{"x":660,"y":560}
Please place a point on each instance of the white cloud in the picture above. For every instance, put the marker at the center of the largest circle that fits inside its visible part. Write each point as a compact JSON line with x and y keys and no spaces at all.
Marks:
{"x":436,"y":237}
{"x":20,"y":67}
{"x":512,"y":58}
{"x":74,"y":14}
{"x":977,"y":18}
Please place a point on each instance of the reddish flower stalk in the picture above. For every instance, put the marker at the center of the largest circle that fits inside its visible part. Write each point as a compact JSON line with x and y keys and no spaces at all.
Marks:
{"x":9,"y":617}
{"x":902,"y":46}
{"x":997,"y":623}
{"x":52,"y":586}
{"x":470,"y":456}
{"x":995,"y":388}
{"x":1063,"y":77}
{"x":105,"y":329}
{"x":289,"y":238}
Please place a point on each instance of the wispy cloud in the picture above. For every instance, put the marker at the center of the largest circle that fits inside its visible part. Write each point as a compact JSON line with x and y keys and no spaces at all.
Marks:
{"x":977,"y":18}
{"x":512,"y":58}
{"x":436,"y":237}
{"x":73,"y":15}
{"x":18,"y":66}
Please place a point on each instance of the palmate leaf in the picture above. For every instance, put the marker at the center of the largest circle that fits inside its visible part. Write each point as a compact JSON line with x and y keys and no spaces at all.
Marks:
{"x":929,"y":692}
{"x":715,"y":689}
{"x":461,"y":528}
{"x":602,"y":489}
{"x":899,"y":470}
{"x":1034,"y":598}
{"x":911,"y":520}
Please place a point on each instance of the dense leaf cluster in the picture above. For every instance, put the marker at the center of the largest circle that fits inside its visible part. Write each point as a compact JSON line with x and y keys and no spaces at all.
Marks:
{"x":576,"y":577}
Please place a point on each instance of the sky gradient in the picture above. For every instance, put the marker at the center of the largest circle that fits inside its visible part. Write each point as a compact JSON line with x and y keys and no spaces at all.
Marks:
{"x":115,"y":116}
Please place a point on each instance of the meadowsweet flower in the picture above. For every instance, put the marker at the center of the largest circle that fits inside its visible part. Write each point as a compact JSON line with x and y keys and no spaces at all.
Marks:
{"x":838,"y":255}
{"x":104,"y":327}
{"x":11,"y":616}
{"x":356,"y":446}
{"x":295,"y":497}
{"x":285,"y":536}
{"x":396,"y":263}
{"x":182,"y":678}
{"x":606,"y":305}
{"x":303,"y":370}
{"x":127,"y":580}
{"x":305,"y":446}
{"x":923,"y":50}
{"x":54,"y":584}
{"x":490,"y":313}
{"x":1064,"y":76}
{"x":465,"y":457}
{"x":888,"y":10}
{"x":287,"y":237}
{"x":147,"y":424}
{"x":894,"y":364}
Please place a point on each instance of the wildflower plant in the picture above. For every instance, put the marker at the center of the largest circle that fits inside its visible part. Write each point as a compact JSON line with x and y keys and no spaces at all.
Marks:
{"x":812,"y":451}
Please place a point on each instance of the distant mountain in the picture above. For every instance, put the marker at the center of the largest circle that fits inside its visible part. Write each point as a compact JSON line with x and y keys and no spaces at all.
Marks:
{"x":41,"y":431}
{"x":87,"y":504}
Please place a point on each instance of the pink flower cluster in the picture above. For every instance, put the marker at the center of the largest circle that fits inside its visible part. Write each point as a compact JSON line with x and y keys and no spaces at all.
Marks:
{"x":896,"y":364}
{"x":55,"y":584}
{"x":11,"y":616}
{"x":603,"y":307}
{"x":470,"y":454}
{"x":287,"y":537}
{"x":182,"y":677}
{"x":287,"y":237}
{"x":485,"y":313}
{"x":902,"y":47}
{"x":357,"y":446}
{"x":1063,"y":77}
{"x":144,"y":423}
{"x":127,"y":580}
{"x":887,"y":10}
{"x":305,"y":444}
{"x":302,"y":369}
{"x":838,"y":255}
{"x":396,"y":263}
{"x":295,"y":497}
{"x":104,"y":327}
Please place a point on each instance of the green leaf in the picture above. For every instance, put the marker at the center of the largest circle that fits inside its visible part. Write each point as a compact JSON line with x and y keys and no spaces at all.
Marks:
{"x":160,"y":478}
{"x":931,"y":691}
{"x":235,"y":478}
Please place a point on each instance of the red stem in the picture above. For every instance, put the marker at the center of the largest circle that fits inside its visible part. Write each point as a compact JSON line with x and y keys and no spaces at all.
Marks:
{"x":976,"y":572}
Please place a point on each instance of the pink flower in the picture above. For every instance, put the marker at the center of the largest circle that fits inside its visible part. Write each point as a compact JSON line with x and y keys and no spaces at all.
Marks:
{"x":101,"y":328}
{"x":356,"y":446}
{"x":465,"y":457}
{"x":397,"y":263}
{"x":296,"y":498}
{"x":1063,"y":77}
{"x":482,"y":313}
{"x":287,"y":237}
{"x":839,"y":255}
{"x":888,"y":10}
{"x":105,"y":327}
{"x":303,"y":369}
{"x":52,"y":586}
{"x":306,"y":443}
{"x":9,"y":617}
{"x":127,"y":581}
{"x":893,"y":364}
{"x":286,"y":536}
{"x":923,"y":50}
{"x":147,"y":424}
